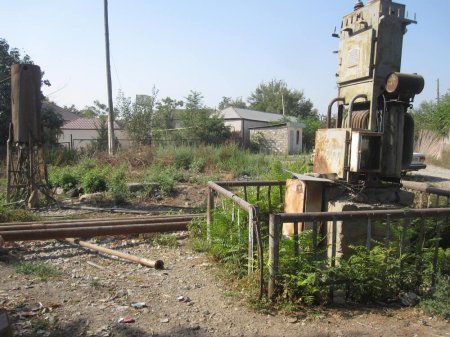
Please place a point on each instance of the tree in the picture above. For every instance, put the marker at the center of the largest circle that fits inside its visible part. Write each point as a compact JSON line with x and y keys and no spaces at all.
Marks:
{"x":138,"y":116}
{"x":202,"y":123}
{"x":8,"y":57}
{"x":312,"y":124}
{"x":96,"y":110}
{"x":271,"y":96}
{"x":228,"y":101}
{"x":164,"y":115}
{"x":51,"y":124}
{"x":434,"y":116}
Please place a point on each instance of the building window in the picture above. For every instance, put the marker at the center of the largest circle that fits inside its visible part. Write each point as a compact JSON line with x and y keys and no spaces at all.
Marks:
{"x":297,"y":138}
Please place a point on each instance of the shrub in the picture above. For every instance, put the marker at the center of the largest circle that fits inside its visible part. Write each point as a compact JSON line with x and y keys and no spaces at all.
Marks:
{"x":65,"y":177}
{"x":165,"y":177}
{"x":183,"y":157}
{"x":117,"y":186}
{"x":439,"y":302}
{"x":19,"y":215}
{"x":94,"y":180}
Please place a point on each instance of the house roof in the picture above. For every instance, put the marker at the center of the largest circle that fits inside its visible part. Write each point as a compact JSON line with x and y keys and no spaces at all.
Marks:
{"x":254,"y":115}
{"x":84,"y":123}
{"x":281,"y":125}
{"x":65,"y":114}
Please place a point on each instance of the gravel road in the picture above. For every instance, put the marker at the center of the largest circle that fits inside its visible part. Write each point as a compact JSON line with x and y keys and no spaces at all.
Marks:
{"x":187,"y":298}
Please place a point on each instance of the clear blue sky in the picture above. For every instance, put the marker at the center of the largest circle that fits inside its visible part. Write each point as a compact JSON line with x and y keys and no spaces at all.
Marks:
{"x":220,"y":48}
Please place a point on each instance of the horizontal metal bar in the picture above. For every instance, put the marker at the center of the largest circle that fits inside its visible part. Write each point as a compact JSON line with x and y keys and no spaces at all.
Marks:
{"x":126,"y":220}
{"x":241,"y":202}
{"x":375,"y":214}
{"x":61,"y":233}
{"x":424,"y":188}
{"x":236,"y":183}
{"x":89,"y":223}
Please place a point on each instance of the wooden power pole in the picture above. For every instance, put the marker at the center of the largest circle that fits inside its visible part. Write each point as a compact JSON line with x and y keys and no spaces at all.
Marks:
{"x":108,"y":77}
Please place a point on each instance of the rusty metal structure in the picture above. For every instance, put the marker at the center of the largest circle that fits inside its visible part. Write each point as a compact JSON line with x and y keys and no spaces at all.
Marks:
{"x":371,"y":136}
{"x":26,"y":169}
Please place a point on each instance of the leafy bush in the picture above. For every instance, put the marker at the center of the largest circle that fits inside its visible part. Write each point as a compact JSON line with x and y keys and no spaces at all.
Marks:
{"x":60,"y":156}
{"x":65,"y":177}
{"x":94,"y":180}
{"x":439,"y":302}
{"x":184,"y":157}
{"x":165,"y":176}
{"x":118,"y":187}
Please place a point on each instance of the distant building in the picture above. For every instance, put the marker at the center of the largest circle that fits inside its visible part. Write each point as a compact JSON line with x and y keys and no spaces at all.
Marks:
{"x":79,"y":133}
{"x":242,"y":120}
{"x":284,"y":138}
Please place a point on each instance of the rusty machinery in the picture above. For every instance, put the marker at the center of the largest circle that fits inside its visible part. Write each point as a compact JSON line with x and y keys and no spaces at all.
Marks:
{"x":371,"y":136}
{"x":26,"y":169}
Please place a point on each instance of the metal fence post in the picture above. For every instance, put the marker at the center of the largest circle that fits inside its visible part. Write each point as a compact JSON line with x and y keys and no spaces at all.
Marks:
{"x":274,"y":246}
{"x":210,"y":206}
{"x":250,"y":241}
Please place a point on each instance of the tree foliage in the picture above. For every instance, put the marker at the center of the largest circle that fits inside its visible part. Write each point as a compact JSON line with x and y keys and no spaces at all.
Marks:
{"x":8,"y":57}
{"x":228,"y":101}
{"x":202,"y":123}
{"x":312,"y":124}
{"x":138,"y":116}
{"x":269,"y":97}
{"x":434,"y":116}
{"x":51,"y":122}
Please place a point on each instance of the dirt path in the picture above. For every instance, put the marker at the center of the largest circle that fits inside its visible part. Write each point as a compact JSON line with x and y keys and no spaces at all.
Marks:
{"x":185,"y":299}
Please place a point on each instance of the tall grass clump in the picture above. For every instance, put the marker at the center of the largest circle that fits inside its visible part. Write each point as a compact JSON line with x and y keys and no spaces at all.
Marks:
{"x":165,"y":176}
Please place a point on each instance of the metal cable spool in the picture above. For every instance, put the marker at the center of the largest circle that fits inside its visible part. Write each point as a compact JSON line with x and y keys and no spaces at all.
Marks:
{"x":360,"y":119}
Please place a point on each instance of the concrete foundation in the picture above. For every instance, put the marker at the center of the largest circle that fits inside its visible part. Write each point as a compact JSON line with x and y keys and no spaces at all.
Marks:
{"x":354,"y":232}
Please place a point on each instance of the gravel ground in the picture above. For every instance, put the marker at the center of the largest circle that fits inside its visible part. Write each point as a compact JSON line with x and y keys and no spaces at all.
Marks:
{"x":187,"y":298}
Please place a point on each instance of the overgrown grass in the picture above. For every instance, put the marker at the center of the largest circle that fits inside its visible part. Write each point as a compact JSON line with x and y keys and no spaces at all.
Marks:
{"x":439,"y":302}
{"x":165,"y":240}
{"x":43,"y":271}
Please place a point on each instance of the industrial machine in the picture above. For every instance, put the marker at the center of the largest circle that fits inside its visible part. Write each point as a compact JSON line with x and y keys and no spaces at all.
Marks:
{"x":371,"y":136}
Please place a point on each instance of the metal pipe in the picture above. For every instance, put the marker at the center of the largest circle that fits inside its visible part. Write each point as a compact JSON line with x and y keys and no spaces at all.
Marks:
{"x":424,"y":188}
{"x":274,"y":249}
{"x":157,"y":264}
{"x":231,"y":183}
{"x":350,"y":108}
{"x":330,"y":106}
{"x":61,"y":233}
{"x":241,"y":202}
{"x":374,"y":214}
{"x":92,"y":223}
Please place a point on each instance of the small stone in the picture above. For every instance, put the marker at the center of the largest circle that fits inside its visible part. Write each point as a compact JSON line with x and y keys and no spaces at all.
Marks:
{"x":164,"y":320}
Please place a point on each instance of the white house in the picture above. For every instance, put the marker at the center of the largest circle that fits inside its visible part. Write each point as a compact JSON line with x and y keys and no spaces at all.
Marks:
{"x":242,"y":120}
{"x":80,"y":132}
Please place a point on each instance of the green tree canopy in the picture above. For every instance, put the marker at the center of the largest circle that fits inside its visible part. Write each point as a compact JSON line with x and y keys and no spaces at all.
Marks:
{"x":434,"y":116}
{"x":269,"y":97}
{"x":202,"y":123}
{"x":9,"y":56}
{"x":228,"y":101}
{"x":137,"y":116}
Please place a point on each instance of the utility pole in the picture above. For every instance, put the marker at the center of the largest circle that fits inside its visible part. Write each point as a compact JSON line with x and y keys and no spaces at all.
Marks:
{"x":108,"y":77}
{"x":438,"y":98}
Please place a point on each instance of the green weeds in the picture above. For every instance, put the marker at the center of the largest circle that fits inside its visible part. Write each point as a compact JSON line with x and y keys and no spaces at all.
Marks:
{"x":43,"y":271}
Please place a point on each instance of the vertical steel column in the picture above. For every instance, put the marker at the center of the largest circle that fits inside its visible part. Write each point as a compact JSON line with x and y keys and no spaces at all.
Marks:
{"x":250,"y":241}
{"x":274,"y":247}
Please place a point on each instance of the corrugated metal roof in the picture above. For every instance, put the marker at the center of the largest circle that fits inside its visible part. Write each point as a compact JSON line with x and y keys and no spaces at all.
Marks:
{"x":254,"y":115}
{"x":84,"y":123}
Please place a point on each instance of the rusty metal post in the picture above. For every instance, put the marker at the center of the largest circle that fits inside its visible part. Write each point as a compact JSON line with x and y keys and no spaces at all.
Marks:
{"x":250,"y":241}
{"x":296,"y":245}
{"x":369,"y":234}
{"x":157,"y":264}
{"x":436,"y":252}
{"x":210,"y":205}
{"x":8,"y":165}
{"x":274,"y":250}
{"x":314,"y":235}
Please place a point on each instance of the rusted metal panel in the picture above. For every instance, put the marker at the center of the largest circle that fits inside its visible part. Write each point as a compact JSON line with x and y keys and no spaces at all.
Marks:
{"x":295,"y":197}
{"x":331,"y":151}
